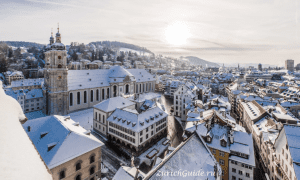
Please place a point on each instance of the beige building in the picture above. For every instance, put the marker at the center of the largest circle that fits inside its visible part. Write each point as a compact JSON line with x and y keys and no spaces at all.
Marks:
{"x":68,"y":150}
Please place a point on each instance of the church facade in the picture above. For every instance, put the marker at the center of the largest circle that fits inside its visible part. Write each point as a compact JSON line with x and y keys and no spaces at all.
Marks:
{"x":71,"y":90}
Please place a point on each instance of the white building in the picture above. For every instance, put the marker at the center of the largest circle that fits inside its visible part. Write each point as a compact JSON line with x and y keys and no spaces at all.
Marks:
{"x":137,"y":131}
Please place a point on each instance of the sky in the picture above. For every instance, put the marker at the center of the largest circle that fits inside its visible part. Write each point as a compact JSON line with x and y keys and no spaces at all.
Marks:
{"x":231,"y":31}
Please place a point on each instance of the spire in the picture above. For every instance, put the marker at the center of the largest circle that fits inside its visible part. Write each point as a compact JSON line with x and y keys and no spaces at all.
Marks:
{"x":58,"y":27}
{"x":51,"y":37}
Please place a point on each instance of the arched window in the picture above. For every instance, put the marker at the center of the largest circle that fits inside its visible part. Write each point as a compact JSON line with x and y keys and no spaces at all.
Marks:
{"x":107,"y":94}
{"x":84,"y":97}
{"x":71,"y":99}
{"x":115,"y":91}
{"x":78,"y":177}
{"x":127,"y":89}
{"x":92,"y":170}
{"x":78,"y":97}
{"x":62,"y":174}
{"x":78,"y":166}
{"x":97,"y":95}
{"x":103,"y":97}
{"x":59,"y":66}
{"x":92,"y":95}
{"x":140,"y":88}
{"x":92,"y":159}
{"x":137,"y":88}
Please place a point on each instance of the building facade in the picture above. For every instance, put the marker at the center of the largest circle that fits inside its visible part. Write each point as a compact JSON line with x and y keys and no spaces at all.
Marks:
{"x":70,"y":90}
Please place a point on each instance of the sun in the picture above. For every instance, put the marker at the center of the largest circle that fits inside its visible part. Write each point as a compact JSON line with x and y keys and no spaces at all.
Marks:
{"x":177,"y":33}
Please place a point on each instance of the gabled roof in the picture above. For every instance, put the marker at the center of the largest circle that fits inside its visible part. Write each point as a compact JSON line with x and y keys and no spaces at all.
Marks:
{"x":118,"y":72}
{"x":193,"y":154}
{"x":113,"y":103}
{"x":68,"y":139}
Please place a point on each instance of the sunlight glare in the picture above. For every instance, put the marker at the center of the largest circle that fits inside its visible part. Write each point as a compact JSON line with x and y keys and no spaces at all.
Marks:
{"x":177,"y":33}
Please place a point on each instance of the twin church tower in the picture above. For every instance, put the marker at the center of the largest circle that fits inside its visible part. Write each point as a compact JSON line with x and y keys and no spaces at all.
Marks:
{"x":56,"y":77}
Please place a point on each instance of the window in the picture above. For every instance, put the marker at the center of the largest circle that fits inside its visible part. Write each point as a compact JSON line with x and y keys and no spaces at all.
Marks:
{"x":92,"y":170}
{"x":282,"y":152}
{"x":92,"y":95}
{"x":213,"y":151}
{"x":233,"y":178}
{"x":107,"y":92}
{"x":97,"y":95}
{"x":84,"y":97}
{"x":233,"y":170}
{"x":78,"y":177}
{"x":62,"y":174}
{"x":137,"y":88}
{"x":222,"y":162}
{"x":247,"y":175}
{"x":223,"y":173}
{"x":221,"y":153}
{"x":78,"y":97}
{"x":141,"y":133}
{"x":151,"y":133}
{"x":78,"y":166}
{"x":146,"y":129}
{"x":146,"y":136}
{"x":71,"y":99}
{"x":92,"y":159}
{"x":141,"y":139}
{"x":95,"y":115}
{"x":241,"y":172}
{"x":103,"y":119}
{"x":151,"y":126}
{"x":103,"y":96}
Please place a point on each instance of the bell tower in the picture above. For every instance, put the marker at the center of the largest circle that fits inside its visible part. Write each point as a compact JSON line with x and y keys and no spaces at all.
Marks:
{"x":56,"y":79}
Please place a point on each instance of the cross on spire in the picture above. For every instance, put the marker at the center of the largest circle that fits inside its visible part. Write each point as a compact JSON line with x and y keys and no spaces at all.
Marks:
{"x":57,"y":27}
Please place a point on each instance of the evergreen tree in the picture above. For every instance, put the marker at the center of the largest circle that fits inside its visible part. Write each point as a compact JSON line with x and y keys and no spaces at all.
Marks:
{"x":3,"y":65}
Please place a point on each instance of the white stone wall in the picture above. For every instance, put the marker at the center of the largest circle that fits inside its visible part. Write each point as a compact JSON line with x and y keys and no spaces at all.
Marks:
{"x":244,"y":168}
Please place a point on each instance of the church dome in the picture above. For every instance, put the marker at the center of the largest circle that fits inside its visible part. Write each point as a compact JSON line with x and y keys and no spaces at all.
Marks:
{"x":57,"y":34}
{"x":58,"y":46}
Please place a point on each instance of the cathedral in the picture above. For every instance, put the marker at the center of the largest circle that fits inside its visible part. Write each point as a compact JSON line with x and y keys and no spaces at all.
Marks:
{"x":66,"y":90}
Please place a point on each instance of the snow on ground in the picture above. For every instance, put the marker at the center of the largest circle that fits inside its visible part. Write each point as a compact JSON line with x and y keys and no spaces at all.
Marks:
{"x":133,"y":51}
{"x":84,"y":117}
{"x":34,"y":115}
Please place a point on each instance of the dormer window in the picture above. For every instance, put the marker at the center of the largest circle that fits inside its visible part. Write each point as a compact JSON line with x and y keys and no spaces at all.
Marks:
{"x":223,"y":143}
{"x":208,"y":139}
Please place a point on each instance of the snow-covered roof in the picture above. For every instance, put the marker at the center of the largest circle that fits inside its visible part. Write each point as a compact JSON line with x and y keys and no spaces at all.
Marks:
{"x":83,"y":79}
{"x":113,"y":103}
{"x":127,"y":173}
{"x":137,"y":122}
{"x":69,"y":139}
{"x":191,"y":155}
{"x":29,"y":94}
{"x":19,"y":159}
{"x":27,"y":82}
{"x":144,"y":96}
